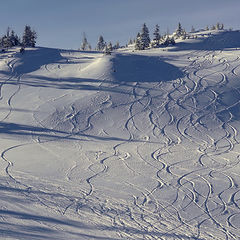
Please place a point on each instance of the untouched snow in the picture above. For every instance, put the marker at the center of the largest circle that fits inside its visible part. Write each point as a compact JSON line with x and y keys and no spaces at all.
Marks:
{"x":136,"y":145}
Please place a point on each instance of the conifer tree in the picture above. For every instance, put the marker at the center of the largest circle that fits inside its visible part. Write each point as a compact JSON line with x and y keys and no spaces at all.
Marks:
{"x":117,"y":45}
{"x":180,"y":31}
{"x":130,"y":42}
{"x":6,"y":43}
{"x":14,"y":39}
{"x":85,"y":44}
{"x":138,"y":42}
{"x":157,"y":37}
{"x":29,"y":37}
{"x":213,"y":27}
{"x":145,"y":39}
{"x":108,"y":49}
{"x":6,"y":40}
{"x":109,"y":46}
{"x":101,"y":44}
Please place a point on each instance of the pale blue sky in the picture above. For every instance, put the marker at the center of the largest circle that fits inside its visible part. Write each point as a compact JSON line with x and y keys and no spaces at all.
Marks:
{"x":61,"y":23}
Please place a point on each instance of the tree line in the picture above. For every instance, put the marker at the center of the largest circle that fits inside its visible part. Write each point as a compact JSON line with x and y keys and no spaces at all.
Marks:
{"x":11,"y":39}
{"x":143,"y":41}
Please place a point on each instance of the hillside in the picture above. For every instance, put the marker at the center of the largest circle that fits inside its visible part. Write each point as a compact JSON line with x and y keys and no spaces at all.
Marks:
{"x":135,"y":145}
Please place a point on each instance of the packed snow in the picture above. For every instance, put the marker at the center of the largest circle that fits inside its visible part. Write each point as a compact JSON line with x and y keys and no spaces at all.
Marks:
{"x":133,"y":145}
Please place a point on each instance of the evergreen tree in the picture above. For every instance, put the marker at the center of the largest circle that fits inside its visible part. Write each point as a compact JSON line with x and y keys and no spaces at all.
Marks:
{"x":168,"y":41}
{"x":29,"y":37}
{"x":157,"y":37}
{"x":14,"y":39}
{"x":218,"y":26}
{"x":130,"y":42}
{"x":138,"y":42}
{"x":117,"y":45}
{"x":145,"y":39}
{"x":6,"y":42}
{"x":213,"y":27}
{"x":179,"y":30}
{"x":184,"y":34}
{"x":85,"y":44}
{"x":101,"y":44}
{"x":108,"y":49}
{"x":109,"y":46}
{"x":172,"y":41}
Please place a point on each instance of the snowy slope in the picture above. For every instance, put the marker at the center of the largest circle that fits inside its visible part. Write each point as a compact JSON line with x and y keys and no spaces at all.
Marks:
{"x":136,"y":145}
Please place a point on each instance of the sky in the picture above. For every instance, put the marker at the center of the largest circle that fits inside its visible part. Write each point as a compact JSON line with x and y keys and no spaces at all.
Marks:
{"x":61,"y":23}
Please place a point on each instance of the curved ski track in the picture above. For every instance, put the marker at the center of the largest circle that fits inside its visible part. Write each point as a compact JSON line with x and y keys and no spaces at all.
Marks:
{"x":181,"y":140}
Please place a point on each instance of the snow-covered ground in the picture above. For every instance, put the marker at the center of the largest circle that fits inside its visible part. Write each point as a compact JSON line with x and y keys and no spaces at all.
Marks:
{"x":136,"y":145}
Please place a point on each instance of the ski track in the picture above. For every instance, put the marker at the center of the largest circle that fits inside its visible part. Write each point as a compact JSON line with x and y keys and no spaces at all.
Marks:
{"x":195,"y":196}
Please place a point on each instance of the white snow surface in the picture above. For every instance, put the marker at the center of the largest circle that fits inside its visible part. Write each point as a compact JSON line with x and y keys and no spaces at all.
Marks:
{"x":136,"y":145}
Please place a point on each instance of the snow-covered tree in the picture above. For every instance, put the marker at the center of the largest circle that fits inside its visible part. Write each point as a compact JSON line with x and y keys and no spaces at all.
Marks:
{"x":192,"y":29}
{"x":143,"y":39}
{"x":14,"y":39}
{"x":85,"y":44}
{"x":108,"y":49}
{"x":219,"y":26}
{"x":168,"y":41}
{"x":156,"y":37}
{"x":101,"y":44}
{"x":207,"y":28}
{"x":109,"y":46}
{"x":6,"y":42}
{"x":138,"y":45}
{"x":213,"y":27}
{"x":29,"y":37}
{"x":10,"y":39}
{"x":130,"y":42}
{"x":179,"y":30}
{"x":117,"y":45}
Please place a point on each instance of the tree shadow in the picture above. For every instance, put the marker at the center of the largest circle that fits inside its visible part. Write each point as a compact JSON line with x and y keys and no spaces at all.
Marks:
{"x":83,"y":84}
{"x":36,"y":232}
{"x":137,"y":68}
{"x":21,"y":130}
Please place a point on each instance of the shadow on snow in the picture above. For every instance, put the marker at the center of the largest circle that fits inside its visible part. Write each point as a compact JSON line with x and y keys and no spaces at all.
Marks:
{"x":137,"y":68}
{"x":221,"y":41}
